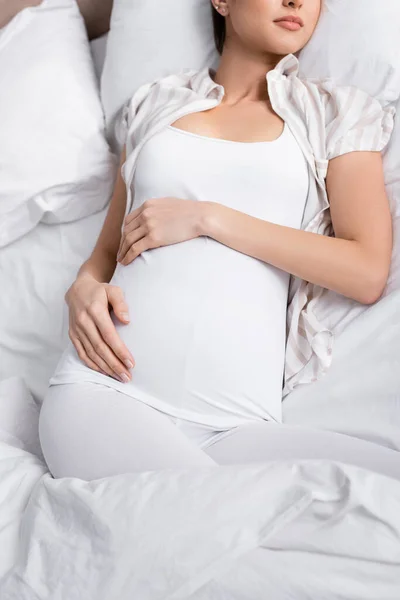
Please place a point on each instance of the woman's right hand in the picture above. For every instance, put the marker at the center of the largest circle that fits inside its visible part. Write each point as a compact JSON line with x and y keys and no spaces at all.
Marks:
{"x":92,"y":330}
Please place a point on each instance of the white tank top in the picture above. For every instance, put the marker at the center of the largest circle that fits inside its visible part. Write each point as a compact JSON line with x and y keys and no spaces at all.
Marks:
{"x":208,"y":323}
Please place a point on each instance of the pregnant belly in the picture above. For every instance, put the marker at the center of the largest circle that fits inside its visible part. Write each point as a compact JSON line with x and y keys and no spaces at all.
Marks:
{"x":207,"y":328}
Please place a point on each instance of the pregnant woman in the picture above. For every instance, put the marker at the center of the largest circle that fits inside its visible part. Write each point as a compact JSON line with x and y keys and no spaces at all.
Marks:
{"x":185,"y":331}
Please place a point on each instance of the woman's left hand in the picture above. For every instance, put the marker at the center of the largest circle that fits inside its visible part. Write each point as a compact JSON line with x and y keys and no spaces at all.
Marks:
{"x":159,"y":222}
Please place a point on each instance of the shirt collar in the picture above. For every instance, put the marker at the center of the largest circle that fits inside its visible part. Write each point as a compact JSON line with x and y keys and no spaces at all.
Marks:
{"x":203,"y":84}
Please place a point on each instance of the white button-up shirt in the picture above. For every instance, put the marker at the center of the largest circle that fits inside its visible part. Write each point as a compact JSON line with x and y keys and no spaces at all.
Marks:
{"x":327,"y":121}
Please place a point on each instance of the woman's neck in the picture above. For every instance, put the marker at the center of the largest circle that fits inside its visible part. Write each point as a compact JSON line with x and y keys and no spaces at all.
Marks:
{"x":243,"y":75}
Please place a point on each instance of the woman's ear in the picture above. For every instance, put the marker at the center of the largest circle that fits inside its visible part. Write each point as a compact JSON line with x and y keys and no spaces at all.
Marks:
{"x":221,"y":6}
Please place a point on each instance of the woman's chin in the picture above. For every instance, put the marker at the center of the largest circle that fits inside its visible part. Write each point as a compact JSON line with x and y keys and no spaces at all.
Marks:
{"x":283,"y":49}
{"x":287,"y":42}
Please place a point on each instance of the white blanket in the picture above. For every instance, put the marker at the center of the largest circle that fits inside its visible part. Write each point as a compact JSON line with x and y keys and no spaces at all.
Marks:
{"x":35,"y":273}
{"x":359,"y":396}
{"x":280,"y":530}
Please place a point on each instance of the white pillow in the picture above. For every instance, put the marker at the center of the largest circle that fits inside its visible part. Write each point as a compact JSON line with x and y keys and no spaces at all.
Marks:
{"x":357,"y":42}
{"x":98,"y":48}
{"x":55,"y":163}
{"x":149,"y":39}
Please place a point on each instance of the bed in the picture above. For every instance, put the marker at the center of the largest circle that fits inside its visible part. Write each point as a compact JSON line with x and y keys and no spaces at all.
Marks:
{"x":302,"y":528}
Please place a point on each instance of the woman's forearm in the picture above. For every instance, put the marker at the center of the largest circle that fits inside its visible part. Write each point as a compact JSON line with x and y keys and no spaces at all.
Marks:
{"x":103,"y":260}
{"x":336,"y":264}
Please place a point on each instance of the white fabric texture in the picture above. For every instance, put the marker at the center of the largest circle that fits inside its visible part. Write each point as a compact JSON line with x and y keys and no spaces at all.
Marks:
{"x":368,"y":53}
{"x":360,"y":394}
{"x":208,"y":323}
{"x":91,"y":432}
{"x":55,"y":163}
{"x":300,"y":529}
{"x":327,"y":121}
{"x":98,"y":49}
{"x":19,"y":416}
{"x":35,"y":273}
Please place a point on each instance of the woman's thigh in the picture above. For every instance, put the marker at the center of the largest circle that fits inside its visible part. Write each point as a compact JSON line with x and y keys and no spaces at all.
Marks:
{"x":264,"y":441}
{"x":91,"y":431}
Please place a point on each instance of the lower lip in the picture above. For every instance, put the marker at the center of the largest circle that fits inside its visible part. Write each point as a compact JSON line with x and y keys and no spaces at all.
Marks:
{"x":289,"y":25}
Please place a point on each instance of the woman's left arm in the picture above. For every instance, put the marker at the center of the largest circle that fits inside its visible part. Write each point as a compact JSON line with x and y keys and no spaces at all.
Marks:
{"x":355,"y":263}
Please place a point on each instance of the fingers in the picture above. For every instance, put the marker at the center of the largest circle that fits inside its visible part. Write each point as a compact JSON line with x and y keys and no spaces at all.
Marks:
{"x":105,"y":351}
{"x":131,"y":223}
{"x":96,"y":360}
{"x":85,"y":358}
{"x":134,"y":251}
{"x":139,"y":226}
{"x":132,"y":215}
{"x":121,"y":310}
{"x":128,"y":239}
{"x":107,"y":329}
{"x":146,"y":210}
{"x":101,"y":355}
{"x":115,"y":347}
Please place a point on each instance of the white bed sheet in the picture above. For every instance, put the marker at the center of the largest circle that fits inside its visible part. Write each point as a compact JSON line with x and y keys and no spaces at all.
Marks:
{"x":35,"y":273}
{"x":310,"y":529}
{"x":98,"y":48}
{"x":359,"y":396}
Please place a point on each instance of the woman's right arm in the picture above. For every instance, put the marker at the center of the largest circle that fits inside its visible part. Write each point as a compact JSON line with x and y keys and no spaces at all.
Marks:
{"x":102,"y":262}
{"x":91,"y":328}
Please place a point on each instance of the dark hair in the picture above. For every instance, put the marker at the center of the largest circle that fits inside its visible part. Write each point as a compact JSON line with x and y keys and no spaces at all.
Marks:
{"x":219,"y":30}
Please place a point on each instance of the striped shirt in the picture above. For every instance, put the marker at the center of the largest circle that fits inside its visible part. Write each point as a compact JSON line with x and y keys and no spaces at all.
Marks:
{"x":327,"y":121}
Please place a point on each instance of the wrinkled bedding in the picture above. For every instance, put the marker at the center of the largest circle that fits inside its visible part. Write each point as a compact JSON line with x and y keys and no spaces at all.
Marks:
{"x":280,"y":530}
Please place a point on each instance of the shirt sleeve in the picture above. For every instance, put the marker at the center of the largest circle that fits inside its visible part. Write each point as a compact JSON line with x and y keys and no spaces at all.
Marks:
{"x":355,"y":121}
{"x":128,"y":112}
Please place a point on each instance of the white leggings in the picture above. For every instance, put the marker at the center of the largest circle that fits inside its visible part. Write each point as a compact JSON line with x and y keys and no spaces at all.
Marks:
{"x":90,"y":431}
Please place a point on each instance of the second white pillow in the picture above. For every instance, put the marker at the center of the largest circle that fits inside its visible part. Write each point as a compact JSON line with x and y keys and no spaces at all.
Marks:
{"x":149,"y":39}
{"x":55,"y":163}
